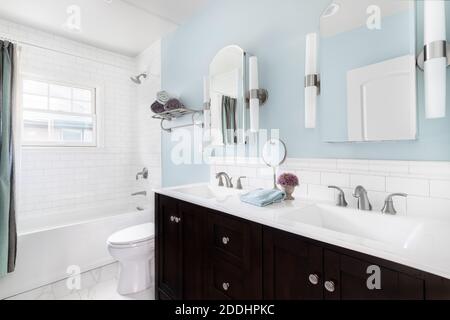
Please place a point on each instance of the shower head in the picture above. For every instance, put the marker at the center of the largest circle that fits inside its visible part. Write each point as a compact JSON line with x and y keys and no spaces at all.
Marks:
{"x":138,"y":78}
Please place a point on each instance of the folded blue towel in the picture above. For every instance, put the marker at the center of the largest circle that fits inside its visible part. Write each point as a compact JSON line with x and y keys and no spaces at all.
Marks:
{"x":263,"y":198}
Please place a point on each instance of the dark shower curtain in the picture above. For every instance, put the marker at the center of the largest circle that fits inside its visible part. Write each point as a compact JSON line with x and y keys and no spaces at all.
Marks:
{"x":8,"y":232}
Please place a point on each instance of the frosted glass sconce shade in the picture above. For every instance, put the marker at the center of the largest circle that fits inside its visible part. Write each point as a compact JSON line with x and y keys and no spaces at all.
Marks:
{"x":435,"y":59}
{"x":312,"y":80}
{"x":254,"y":100}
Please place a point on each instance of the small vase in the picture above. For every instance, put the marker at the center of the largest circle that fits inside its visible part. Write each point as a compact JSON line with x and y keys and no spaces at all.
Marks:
{"x":289,"y":190}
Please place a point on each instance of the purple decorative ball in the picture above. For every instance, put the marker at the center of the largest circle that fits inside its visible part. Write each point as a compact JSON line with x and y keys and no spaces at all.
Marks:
{"x":288,"y":179}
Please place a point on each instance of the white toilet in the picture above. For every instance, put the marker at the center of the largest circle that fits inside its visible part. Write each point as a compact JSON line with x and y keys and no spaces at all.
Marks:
{"x":134,"y":249}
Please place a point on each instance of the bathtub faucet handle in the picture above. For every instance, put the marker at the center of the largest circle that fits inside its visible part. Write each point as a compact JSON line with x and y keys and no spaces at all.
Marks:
{"x":142,"y":193}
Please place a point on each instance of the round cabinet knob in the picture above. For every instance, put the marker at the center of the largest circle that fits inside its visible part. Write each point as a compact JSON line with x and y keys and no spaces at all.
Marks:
{"x":314,"y":279}
{"x":226,"y":286}
{"x":175,"y":219}
{"x":225,"y":240}
{"x":330,"y":286}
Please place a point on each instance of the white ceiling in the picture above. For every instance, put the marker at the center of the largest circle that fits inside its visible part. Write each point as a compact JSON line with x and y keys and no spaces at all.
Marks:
{"x":123,"y":26}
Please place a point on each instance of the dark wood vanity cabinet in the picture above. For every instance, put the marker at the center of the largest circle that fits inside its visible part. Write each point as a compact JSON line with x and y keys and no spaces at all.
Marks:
{"x":203,"y":254}
{"x":179,"y":253}
{"x":292,"y":267}
{"x":346,"y":279}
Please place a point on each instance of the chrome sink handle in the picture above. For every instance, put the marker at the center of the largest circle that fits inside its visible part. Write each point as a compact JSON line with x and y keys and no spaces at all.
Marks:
{"x":341,"y":202}
{"x":239,"y":183}
{"x":389,"y":203}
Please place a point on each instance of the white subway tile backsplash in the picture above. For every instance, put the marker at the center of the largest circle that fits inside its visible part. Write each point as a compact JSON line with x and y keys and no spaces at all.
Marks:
{"x":321,"y":192}
{"x":249,"y":171}
{"x":417,"y":187}
{"x":428,"y":192}
{"x":440,"y":188}
{"x":308,"y":177}
{"x":265,"y":173}
{"x":439,"y":169}
{"x":301,"y":191}
{"x":335,"y":179}
{"x":323,"y":164}
{"x":353,"y":165}
{"x":373,"y":183}
{"x":389,"y":167}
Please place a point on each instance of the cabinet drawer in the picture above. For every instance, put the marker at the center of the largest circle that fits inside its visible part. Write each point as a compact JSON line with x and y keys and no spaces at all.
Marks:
{"x":230,"y":238}
{"x":226,"y":282}
{"x":234,"y":266}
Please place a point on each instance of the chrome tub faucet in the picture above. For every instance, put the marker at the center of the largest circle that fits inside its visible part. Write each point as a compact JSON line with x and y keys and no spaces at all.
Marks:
{"x":143,"y":174}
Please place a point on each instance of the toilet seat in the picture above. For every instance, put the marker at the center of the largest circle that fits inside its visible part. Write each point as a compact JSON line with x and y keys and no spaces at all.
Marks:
{"x":132,"y":237}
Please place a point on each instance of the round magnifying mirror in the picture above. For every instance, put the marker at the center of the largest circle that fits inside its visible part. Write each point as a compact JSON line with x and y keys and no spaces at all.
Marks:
{"x":274,"y":154}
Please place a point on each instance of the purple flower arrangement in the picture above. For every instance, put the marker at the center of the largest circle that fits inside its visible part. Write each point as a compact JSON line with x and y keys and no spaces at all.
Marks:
{"x":288,"y":180}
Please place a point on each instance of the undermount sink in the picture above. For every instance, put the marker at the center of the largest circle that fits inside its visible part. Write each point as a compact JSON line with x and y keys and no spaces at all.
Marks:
{"x":208,"y":192}
{"x":394,"y":230}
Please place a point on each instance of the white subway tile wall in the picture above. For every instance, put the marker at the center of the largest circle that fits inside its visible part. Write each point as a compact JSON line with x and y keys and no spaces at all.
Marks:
{"x":427,"y":183}
{"x":56,"y":180}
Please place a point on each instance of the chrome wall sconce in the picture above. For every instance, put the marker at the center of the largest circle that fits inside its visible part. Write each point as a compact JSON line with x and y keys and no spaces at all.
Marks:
{"x":312,"y":80}
{"x":434,"y":59}
{"x":206,"y":104}
{"x":261,"y":94}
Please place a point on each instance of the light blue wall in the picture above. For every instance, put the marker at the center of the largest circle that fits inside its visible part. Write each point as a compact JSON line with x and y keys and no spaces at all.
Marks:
{"x":275,"y":31}
{"x":396,"y":38}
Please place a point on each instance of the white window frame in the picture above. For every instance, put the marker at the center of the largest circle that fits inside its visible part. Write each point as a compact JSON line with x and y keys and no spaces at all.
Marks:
{"x":97,"y":124}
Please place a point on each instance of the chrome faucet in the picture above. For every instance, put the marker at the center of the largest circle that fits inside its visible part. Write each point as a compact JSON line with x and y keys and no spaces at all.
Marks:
{"x":363,"y":199}
{"x":143,"y":174}
{"x":389,"y":203}
{"x":142,"y":193}
{"x":239,"y":183}
{"x":228,"y":182}
{"x":340,"y":202}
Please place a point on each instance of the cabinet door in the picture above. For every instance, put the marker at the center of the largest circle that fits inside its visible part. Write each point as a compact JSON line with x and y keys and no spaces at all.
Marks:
{"x":292,"y":267}
{"x":193,"y":250}
{"x":346,"y":278}
{"x":169,"y":248}
{"x":437,"y":288}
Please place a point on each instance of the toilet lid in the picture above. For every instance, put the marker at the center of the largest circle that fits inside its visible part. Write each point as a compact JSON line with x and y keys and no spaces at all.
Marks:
{"x":133,"y":235}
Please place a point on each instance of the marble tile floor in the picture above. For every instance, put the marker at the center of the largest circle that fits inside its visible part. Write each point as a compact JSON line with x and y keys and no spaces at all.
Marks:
{"x":98,"y":284}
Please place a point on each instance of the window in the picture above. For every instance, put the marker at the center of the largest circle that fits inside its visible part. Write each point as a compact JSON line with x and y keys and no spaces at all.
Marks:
{"x":56,"y":114}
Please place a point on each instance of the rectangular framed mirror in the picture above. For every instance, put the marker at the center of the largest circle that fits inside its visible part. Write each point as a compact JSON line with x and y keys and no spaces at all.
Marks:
{"x":368,"y":71}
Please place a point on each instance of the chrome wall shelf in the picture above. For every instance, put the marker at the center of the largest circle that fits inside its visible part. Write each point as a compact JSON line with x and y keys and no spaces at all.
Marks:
{"x":176,"y":114}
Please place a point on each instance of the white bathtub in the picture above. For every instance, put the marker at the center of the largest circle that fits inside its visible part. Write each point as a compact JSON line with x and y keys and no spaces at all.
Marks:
{"x":47,"y":246}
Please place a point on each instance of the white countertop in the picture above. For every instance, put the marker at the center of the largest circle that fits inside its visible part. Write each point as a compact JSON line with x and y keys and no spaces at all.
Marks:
{"x":418,"y":243}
